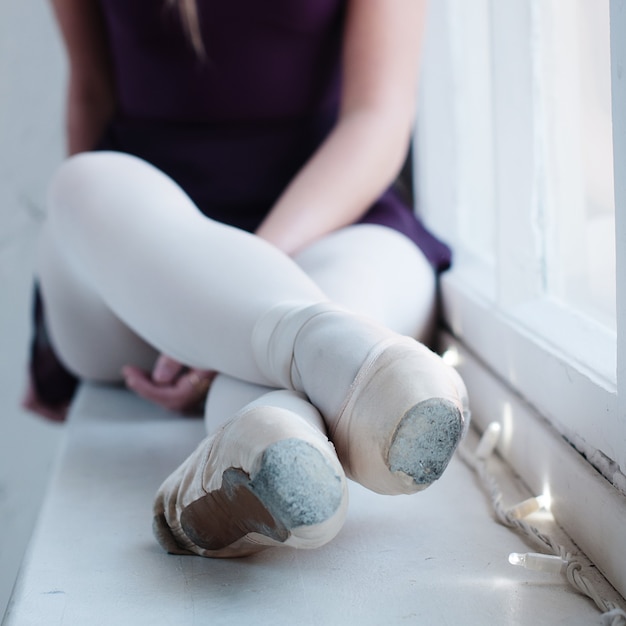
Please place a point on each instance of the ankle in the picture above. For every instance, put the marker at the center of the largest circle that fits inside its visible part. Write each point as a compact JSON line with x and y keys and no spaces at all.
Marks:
{"x":274,"y":337}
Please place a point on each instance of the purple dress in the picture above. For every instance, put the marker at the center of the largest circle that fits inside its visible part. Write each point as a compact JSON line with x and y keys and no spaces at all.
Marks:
{"x":234,"y":127}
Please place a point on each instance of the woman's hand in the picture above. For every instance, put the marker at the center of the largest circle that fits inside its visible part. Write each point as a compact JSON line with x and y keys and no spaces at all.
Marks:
{"x":171,"y":385}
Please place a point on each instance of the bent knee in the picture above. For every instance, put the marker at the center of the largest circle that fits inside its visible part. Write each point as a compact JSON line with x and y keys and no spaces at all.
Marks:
{"x":92,"y":189}
{"x":82,"y":178}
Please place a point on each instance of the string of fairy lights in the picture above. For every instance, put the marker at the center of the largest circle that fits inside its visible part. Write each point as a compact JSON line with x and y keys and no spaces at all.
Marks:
{"x":556,"y":559}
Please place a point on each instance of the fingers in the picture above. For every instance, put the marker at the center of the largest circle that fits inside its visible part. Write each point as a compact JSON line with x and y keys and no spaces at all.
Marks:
{"x":166,"y":370}
{"x":184,"y":394}
{"x":200,"y":381}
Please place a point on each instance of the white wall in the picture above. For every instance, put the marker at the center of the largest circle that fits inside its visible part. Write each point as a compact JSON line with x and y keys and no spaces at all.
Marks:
{"x":31,"y":85}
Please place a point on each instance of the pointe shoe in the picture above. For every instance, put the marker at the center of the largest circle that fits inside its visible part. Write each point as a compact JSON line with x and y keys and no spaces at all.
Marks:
{"x":394,"y":410}
{"x":266,"y":478}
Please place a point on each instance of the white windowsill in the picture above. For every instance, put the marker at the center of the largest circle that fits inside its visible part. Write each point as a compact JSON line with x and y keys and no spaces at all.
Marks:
{"x":575,"y":390}
{"x":514,"y":364}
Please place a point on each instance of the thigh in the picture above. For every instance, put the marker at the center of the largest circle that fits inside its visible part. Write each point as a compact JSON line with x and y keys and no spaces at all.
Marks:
{"x":190,"y":286}
{"x":88,"y":338}
{"x":375,"y":271}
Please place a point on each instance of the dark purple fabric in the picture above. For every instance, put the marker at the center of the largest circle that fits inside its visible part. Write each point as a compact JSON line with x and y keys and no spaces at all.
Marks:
{"x":270,"y":60}
{"x":54,"y":384}
{"x":233,"y":128}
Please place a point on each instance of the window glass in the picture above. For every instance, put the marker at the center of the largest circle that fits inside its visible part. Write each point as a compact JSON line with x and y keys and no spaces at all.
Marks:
{"x":572,"y":72}
{"x":471,"y":57}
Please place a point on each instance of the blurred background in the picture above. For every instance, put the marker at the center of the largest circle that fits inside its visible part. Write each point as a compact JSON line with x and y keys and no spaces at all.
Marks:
{"x":32,"y":76}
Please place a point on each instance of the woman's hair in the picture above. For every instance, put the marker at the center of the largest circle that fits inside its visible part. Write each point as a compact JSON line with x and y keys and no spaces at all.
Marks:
{"x":188,"y":12}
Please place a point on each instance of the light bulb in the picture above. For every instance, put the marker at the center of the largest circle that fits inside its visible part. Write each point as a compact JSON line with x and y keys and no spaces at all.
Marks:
{"x":538,"y":562}
{"x":488,"y":441}
{"x":546,"y":497}
{"x":451,"y":356}
{"x":525,"y":508}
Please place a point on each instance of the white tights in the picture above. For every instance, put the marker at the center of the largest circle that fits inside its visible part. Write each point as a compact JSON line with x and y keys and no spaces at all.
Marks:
{"x":129,"y":268}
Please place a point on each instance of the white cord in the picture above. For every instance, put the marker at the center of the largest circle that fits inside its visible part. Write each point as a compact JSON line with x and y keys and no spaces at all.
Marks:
{"x":612,"y":614}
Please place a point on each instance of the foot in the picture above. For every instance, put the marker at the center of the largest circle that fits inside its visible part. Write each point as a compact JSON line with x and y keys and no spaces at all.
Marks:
{"x":402,"y":419}
{"x":267,"y":478}
{"x":394,"y":410}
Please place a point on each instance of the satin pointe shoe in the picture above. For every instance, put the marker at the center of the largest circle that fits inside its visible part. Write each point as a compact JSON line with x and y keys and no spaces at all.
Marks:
{"x":266,"y":478}
{"x":394,"y":410}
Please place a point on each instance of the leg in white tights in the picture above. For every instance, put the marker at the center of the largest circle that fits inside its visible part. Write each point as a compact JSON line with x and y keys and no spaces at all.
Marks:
{"x":192,"y":288}
{"x":127,"y":263}
{"x":375,"y":271}
{"x":91,"y":340}
{"x":217,"y":298}
{"x":369,"y":269}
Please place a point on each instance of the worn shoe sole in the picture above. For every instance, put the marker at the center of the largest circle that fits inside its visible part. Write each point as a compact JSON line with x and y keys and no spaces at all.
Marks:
{"x":425,"y":441}
{"x":402,"y":421}
{"x":295,"y":498}
{"x":295,"y":486}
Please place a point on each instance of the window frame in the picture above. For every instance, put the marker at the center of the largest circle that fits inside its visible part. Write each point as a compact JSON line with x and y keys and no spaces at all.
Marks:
{"x":556,"y":365}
